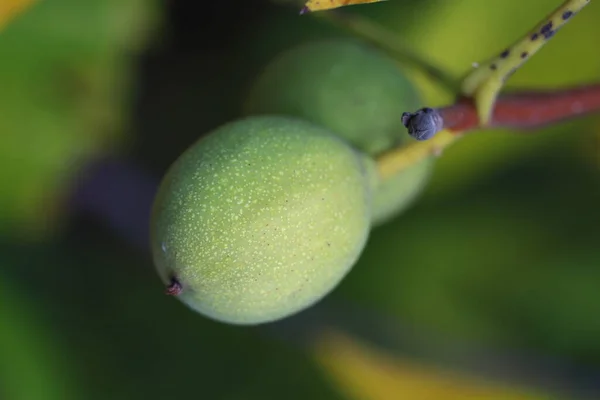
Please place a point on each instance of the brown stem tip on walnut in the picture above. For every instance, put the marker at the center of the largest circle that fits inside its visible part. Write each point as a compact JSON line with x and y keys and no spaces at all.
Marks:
{"x":174,"y":288}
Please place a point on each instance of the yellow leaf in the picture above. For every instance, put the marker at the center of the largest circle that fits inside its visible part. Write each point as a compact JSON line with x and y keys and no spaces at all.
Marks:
{"x":321,"y":5}
{"x":10,"y":8}
{"x":363,"y":373}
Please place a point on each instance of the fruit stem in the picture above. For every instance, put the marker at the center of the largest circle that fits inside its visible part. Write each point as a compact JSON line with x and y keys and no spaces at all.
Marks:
{"x":390,"y":43}
{"x":526,"y":109}
{"x":395,"y":160}
{"x":175,"y":288}
{"x":519,"y":111}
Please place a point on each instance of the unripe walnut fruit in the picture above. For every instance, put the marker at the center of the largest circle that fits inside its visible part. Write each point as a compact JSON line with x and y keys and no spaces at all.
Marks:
{"x":260,"y":219}
{"x":357,"y":92}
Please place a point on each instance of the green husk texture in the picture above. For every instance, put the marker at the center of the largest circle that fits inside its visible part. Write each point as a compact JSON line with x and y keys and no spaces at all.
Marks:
{"x":398,"y":193}
{"x":348,"y":87}
{"x":261,"y":218}
{"x":355,"y":91}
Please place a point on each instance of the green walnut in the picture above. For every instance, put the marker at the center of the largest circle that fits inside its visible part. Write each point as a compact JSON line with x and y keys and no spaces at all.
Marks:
{"x":355,"y":91}
{"x":260,"y":219}
{"x":346,"y":86}
{"x":396,"y":194}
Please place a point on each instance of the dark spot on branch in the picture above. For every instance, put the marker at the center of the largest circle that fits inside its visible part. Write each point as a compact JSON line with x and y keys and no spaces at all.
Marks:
{"x":534,"y":36}
{"x":524,"y":54}
{"x":505,"y":53}
{"x":546,"y":28}
{"x":567,"y":14}
{"x":493,"y":67}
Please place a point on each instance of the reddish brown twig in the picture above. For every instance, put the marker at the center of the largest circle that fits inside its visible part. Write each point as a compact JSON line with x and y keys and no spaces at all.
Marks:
{"x":525,"y":110}
{"x":436,"y":129}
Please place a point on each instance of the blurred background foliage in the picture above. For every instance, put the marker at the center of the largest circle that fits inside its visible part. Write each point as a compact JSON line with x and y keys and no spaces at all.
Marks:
{"x":488,"y":287}
{"x":66,"y":88}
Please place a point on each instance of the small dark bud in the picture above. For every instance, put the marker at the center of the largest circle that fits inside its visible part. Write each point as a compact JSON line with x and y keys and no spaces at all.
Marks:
{"x":423,"y":124}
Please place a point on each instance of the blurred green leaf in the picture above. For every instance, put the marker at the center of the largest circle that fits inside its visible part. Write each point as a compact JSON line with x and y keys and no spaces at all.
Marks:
{"x":65,"y":97}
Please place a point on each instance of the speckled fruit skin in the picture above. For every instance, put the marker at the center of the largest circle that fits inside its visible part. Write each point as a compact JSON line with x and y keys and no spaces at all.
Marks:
{"x":261,"y":219}
{"x":346,"y":86}
{"x":355,"y":91}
